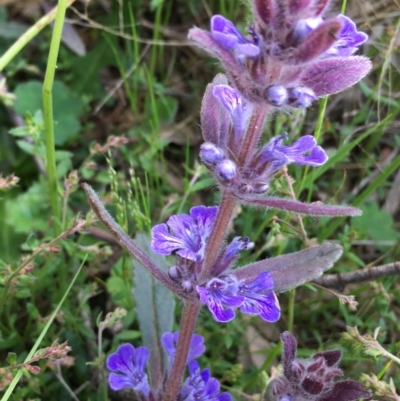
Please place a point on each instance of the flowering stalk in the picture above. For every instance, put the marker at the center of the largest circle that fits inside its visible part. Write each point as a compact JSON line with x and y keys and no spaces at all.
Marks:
{"x":291,"y":57}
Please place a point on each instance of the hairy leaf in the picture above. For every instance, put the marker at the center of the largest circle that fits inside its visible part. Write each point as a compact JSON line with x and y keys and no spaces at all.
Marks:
{"x":294,"y":269}
{"x":154,"y":306}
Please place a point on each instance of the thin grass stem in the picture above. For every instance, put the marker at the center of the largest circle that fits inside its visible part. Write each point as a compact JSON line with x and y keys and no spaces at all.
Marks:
{"x":48,"y":112}
{"x":26,"y":37}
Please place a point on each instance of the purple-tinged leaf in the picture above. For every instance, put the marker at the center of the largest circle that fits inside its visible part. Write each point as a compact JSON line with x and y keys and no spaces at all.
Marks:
{"x":317,"y":43}
{"x":320,"y":6}
{"x":313,"y":384}
{"x":294,"y":269}
{"x":264,"y":11}
{"x":289,"y":352}
{"x":215,"y":119}
{"x":207,"y":42}
{"x":298,"y":6}
{"x":332,"y":357}
{"x":347,"y":390}
{"x":333,"y":75}
{"x":312,"y":209}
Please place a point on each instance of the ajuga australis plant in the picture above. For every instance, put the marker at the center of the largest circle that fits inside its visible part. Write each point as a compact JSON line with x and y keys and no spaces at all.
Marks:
{"x":292,"y":55}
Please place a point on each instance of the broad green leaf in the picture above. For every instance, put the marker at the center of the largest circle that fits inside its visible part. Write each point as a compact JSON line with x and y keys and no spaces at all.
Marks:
{"x":67,"y":108}
{"x":154,"y":306}
{"x":375,"y":223}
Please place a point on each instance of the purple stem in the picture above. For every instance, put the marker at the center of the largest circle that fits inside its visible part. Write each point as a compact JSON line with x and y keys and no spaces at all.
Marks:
{"x":186,"y":330}
{"x":228,"y":201}
{"x":128,"y":244}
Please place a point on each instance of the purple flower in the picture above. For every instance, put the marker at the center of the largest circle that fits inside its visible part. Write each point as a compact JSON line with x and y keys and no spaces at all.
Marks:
{"x":239,"y":108}
{"x":254,"y":298}
{"x":200,"y":386}
{"x":257,"y":302}
{"x":349,"y":39}
{"x":185,"y":234}
{"x":304,"y":151}
{"x":129,"y":366}
{"x":237,"y":244}
{"x":226,"y":34}
{"x":170,"y":341}
{"x":219,"y":294}
{"x":287,"y":48}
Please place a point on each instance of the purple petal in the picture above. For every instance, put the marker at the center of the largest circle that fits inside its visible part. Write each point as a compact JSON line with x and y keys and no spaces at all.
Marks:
{"x":225,"y":33}
{"x":205,"y":217}
{"x":257,"y":303}
{"x":170,"y":342}
{"x":238,"y":107}
{"x":217,"y":294}
{"x":237,"y":244}
{"x":165,"y":243}
{"x":130,"y":363}
{"x":333,"y":75}
{"x":348,"y":39}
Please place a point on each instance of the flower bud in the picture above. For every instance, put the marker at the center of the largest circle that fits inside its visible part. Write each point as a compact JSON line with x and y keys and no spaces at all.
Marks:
{"x":211,"y":154}
{"x":226,"y":170}
{"x":276,"y":95}
{"x":301,"y":97}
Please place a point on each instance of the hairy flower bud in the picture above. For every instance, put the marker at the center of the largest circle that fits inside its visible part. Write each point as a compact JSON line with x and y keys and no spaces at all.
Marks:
{"x":226,"y":170}
{"x":211,"y":154}
{"x":301,"y":97}
{"x":277,"y":95}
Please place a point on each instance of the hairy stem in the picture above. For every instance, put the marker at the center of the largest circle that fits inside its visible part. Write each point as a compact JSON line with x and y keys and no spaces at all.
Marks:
{"x":253,"y":133}
{"x":188,"y":323}
{"x":222,"y":220}
{"x":128,"y":244}
{"x":228,"y":202}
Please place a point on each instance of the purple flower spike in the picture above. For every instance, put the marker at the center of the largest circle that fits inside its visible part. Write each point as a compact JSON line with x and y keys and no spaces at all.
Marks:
{"x":129,"y":366}
{"x":280,"y":155}
{"x":257,"y":302}
{"x":217,"y":294}
{"x":170,"y":341}
{"x":187,"y":235}
{"x":349,"y":39}
{"x":226,"y":34}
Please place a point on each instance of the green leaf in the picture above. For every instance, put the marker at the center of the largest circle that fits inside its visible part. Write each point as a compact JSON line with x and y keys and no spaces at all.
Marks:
{"x":375,"y":223}
{"x":66,"y":108}
{"x":12,"y":358}
{"x":154,"y":306}
{"x":128,"y":335}
{"x":29,"y":211}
